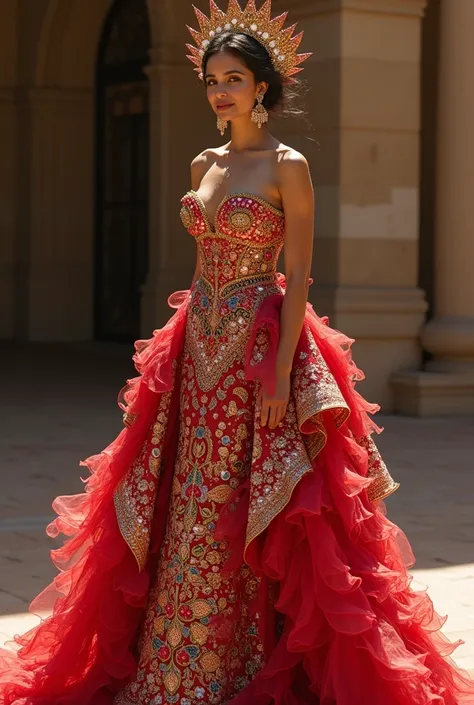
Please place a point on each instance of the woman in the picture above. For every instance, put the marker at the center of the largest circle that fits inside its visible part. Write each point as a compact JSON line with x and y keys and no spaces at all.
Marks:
{"x":230,"y":547}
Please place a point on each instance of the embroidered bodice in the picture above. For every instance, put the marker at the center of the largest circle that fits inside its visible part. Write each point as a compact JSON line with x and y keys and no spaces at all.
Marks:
{"x":239,"y":255}
{"x":243,"y":244}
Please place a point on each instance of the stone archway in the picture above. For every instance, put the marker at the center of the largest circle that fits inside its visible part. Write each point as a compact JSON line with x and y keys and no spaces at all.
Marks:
{"x":60,"y":253}
{"x":68,"y":43}
{"x":61,"y":222}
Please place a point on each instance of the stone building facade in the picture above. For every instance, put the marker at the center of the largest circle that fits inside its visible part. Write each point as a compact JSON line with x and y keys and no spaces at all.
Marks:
{"x":101,"y":113}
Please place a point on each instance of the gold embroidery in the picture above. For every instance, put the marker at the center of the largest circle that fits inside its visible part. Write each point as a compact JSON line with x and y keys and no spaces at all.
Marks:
{"x":187,"y":218}
{"x":237,"y":198}
{"x":280,"y":460}
{"x":228,"y":261}
{"x":383,"y":485}
{"x":316,"y":392}
{"x":182,"y":658}
{"x":218,"y":328}
{"x":134,"y":497}
{"x":241,"y":219}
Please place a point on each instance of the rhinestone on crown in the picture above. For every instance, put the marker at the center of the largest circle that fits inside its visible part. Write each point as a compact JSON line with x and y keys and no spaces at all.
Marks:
{"x":280,"y":43}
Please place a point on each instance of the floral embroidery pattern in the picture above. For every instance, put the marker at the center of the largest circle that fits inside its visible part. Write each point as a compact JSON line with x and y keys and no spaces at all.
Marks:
{"x":135,"y":496}
{"x":182,"y":659}
{"x":238,"y":262}
{"x":218,"y":328}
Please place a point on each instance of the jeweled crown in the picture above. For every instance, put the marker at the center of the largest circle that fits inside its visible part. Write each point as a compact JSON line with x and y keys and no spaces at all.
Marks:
{"x":280,"y":43}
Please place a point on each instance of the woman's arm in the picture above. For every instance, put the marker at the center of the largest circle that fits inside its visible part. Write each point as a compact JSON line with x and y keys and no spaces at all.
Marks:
{"x":198,"y":169}
{"x":297,"y":196}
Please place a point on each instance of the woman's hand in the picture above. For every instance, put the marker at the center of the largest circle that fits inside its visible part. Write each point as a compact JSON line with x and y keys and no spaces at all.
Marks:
{"x":274,"y":408}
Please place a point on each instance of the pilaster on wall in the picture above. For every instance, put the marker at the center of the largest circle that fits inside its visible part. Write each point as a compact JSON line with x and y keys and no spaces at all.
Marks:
{"x":8,"y":204}
{"x":59,"y":245}
{"x":447,"y":384}
{"x":364,"y":79}
{"x":8,"y":164}
{"x":181,"y":125}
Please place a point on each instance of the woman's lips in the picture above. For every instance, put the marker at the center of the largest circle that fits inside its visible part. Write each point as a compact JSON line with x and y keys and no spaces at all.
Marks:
{"x":224,"y":106}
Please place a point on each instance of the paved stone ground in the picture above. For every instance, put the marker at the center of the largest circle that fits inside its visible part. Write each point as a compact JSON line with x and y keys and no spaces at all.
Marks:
{"x":57,"y":406}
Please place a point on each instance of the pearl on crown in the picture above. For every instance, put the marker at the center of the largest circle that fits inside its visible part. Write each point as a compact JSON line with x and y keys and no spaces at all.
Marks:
{"x":265,"y":35}
{"x":253,"y":27}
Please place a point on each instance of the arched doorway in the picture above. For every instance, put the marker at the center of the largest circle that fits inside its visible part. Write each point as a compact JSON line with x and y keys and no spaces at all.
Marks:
{"x":122,"y":151}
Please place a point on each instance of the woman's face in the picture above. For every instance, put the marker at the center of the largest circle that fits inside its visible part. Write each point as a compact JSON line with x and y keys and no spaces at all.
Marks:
{"x":231,"y":86}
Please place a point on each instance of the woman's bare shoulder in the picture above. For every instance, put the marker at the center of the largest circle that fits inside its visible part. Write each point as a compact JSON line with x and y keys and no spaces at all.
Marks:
{"x":287,"y":154}
{"x":211,"y":153}
{"x":203,"y":162}
{"x":293,"y":172}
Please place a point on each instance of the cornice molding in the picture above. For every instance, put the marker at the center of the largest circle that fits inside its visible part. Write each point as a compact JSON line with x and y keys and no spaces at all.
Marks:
{"x":300,"y":9}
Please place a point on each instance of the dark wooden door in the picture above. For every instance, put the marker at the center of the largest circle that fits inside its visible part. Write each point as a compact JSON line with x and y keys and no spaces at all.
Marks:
{"x":122,"y":172}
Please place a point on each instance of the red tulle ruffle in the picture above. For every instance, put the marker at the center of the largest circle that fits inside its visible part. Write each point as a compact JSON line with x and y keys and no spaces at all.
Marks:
{"x":352,"y":631}
{"x":82,"y":654}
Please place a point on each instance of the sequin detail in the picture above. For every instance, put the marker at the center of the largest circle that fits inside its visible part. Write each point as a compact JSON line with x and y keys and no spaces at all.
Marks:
{"x":383,"y":485}
{"x":264,"y":218}
{"x":183,"y":657}
{"x":135,"y":495}
{"x":238,"y":263}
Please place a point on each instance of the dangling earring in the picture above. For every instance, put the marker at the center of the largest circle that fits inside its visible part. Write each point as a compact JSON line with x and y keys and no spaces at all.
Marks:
{"x":259,"y":113}
{"x":221,"y":125}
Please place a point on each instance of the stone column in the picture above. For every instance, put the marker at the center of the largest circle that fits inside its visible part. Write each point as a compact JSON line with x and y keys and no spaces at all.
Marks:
{"x":447,"y":385}
{"x":363,"y":149}
{"x":164,"y":223}
{"x":450,"y":335}
{"x":180,"y":127}
{"x":58,"y":237}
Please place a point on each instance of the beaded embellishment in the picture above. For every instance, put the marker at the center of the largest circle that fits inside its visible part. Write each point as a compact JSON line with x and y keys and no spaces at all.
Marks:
{"x":239,"y":257}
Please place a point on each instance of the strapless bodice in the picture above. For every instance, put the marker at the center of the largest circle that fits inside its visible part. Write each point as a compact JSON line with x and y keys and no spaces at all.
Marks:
{"x":238,"y":271}
{"x":244,"y":243}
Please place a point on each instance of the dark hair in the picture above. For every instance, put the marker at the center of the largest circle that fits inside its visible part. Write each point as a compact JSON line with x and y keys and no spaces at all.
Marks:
{"x":281,"y":95}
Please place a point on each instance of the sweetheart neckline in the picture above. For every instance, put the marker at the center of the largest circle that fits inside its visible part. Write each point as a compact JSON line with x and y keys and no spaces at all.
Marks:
{"x":227,"y":197}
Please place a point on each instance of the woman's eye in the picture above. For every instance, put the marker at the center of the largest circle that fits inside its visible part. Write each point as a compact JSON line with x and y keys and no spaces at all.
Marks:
{"x":213,"y":82}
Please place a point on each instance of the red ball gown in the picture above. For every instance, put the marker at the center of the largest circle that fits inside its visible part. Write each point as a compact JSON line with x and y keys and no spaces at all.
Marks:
{"x":211,"y":560}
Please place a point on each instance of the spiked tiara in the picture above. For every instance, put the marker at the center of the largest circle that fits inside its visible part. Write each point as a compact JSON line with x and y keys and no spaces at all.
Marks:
{"x":280,"y":43}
